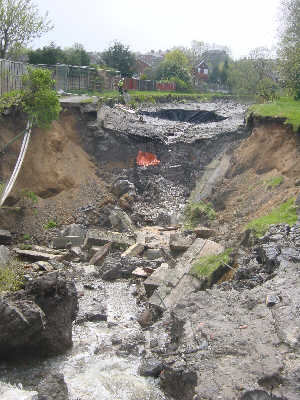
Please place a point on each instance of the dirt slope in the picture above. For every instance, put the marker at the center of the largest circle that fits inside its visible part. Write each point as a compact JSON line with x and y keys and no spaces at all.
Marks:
{"x":56,"y":169}
{"x":272,"y":151}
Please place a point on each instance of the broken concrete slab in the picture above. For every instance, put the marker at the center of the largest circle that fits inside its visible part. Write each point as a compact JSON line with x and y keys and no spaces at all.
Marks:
{"x":178,"y":281}
{"x":203,"y":232}
{"x":4,"y":256}
{"x":97,"y":237}
{"x":5,"y":237}
{"x":36,"y":255}
{"x":158,"y":278}
{"x":180,"y":242}
{"x":142,"y":272}
{"x":62,"y":242}
{"x":134,"y":250}
{"x":153,"y":254}
{"x":44,"y":266}
{"x":99,"y":257}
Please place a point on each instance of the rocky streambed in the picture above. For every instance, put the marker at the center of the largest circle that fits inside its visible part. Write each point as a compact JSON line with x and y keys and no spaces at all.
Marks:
{"x":120,"y":280}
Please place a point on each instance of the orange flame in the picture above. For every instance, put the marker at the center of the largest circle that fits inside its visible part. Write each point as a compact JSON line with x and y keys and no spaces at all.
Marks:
{"x":145,"y":159}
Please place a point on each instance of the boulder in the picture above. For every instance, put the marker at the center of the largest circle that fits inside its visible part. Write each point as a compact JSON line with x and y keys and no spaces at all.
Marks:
{"x":97,"y":237}
{"x":122,"y":186}
{"x":99,"y":257}
{"x":151,"y":367}
{"x":180,"y":242}
{"x":5,"y":237}
{"x":39,"y":318}
{"x":53,"y":387}
{"x":4,"y":256}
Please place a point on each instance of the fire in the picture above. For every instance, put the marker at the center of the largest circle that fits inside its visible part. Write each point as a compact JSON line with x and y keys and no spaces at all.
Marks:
{"x":145,"y":159}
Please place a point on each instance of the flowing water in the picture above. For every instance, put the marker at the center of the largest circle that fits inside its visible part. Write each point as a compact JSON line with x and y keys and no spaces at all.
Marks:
{"x":94,"y":368}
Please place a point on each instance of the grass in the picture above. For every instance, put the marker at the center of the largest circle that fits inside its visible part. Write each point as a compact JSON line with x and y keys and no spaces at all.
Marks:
{"x":194,"y":212}
{"x":274,"y":182}
{"x":285,"y":213}
{"x":11,"y":278}
{"x":50,"y":224}
{"x":285,"y":107}
{"x":208,"y":264}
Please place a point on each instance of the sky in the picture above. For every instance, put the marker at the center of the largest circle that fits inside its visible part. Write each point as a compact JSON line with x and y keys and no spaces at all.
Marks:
{"x":242,"y":25}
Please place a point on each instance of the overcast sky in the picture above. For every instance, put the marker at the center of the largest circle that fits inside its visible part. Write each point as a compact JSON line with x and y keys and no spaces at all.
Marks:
{"x":161,"y":24}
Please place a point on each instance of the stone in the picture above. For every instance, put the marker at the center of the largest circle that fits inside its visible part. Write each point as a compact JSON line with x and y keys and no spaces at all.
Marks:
{"x":44,"y":266}
{"x":203,"y":232}
{"x":99,"y":257}
{"x":62,"y":242}
{"x":5,"y":237}
{"x":39,"y":318}
{"x":151,"y":367}
{"x":142,"y":272}
{"x":95,"y":237}
{"x":53,"y":387}
{"x":120,"y":221}
{"x":74,"y":230}
{"x":8,"y":392}
{"x":158,"y":278}
{"x":36,"y":255}
{"x":272,"y":299}
{"x":179,"y":242}
{"x":4,"y":256}
{"x":152,"y":254}
{"x":122,"y":186}
{"x":145,"y":318}
{"x":134,"y":250}
{"x":178,"y":383}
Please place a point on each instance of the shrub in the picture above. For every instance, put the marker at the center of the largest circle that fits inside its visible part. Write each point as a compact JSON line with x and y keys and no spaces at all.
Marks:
{"x":195,"y":212}
{"x":181,"y":86}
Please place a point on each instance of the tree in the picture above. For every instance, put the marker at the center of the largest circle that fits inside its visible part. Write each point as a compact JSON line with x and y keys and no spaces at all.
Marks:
{"x":49,"y":55}
{"x":289,"y":47}
{"x":175,"y":65}
{"x":76,"y":55}
{"x":20,"y":23}
{"x":118,"y":56}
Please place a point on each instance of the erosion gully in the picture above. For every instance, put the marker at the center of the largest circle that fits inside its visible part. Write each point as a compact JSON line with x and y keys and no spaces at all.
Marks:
{"x":103,"y":363}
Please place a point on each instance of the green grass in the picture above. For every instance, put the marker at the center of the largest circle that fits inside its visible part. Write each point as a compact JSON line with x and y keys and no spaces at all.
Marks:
{"x":194,"y":212}
{"x":11,"y":278}
{"x":274,"y":182}
{"x":285,"y":213}
{"x":207,"y":265}
{"x":285,"y":107}
{"x":50,"y":224}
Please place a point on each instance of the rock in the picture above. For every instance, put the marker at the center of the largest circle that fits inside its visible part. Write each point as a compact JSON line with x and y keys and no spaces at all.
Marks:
{"x":120,"y":221}
{"x":39,"y":318}
{"x":158,"y":278}
{"x":92,"y":316}
{"x":44,"y":266}
{"x":179,"y":242}
{"x":271,"y":300}
{"x":178,"y":383}
{"x":53,"y":387}
{"x":268,"y":254}
{"x":259,"y":395}
{"x":99,"y":257}
{"x":74,"y":230}
{"x":5,"y":237}
{"x":151,"y":367}
{"x":152,"y":254}
{"x":97,"y":237}
{"x":134,"y":250}
{"x":4,"y":256}
{"x":122,"y":186}
{"x":203,"y":232}
{"x":145,"y":319}
{"x":142,"y":272}
{"x":62,"y":242}
{"x":36,"y":255}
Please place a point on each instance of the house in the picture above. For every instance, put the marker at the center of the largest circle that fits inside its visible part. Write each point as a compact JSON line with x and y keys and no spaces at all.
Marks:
{"x":141,"y":66}
{"x":200,"y":73}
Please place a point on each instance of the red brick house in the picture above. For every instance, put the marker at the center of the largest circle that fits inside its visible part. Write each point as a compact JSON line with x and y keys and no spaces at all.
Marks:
{"x":200,"y":73}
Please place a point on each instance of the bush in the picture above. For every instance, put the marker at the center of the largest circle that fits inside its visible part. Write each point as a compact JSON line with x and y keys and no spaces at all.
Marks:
{"x":181,"y":86}
{"x":39,"y":100}
{"x":195,"y":212}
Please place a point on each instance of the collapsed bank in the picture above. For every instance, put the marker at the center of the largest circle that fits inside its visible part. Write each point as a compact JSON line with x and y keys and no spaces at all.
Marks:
{"x":126,"y":239}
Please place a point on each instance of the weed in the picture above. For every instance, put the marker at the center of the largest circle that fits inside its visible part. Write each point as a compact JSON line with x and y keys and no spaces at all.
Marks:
{"x":29,"y":195}
{"x":24,"y":246}
{"x":194,"y":212}
{"x":26,"y":236}
{"x":274,"y":182}
{"x":208,"y":264}
{"x":50,"y":224}
{"x":11,"y":277}
{"x":285,"y":213}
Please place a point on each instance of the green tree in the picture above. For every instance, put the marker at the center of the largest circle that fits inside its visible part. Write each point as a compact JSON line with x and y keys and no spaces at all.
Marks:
{"x":76,"y":55}
{"x":289,"y":47}
{"x":118,"y":56}
{"x":49,"y":55}
{"x":20,"y":23}
{"x":39,"y":101}
{"x":175,"y":65}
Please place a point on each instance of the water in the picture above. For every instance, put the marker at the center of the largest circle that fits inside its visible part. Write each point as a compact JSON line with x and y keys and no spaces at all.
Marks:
{"x":94,"y":369}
